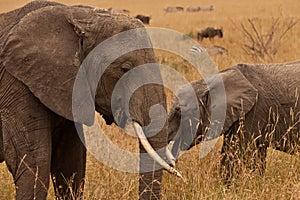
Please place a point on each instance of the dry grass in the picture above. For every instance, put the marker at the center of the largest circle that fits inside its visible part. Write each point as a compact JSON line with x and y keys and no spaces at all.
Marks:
{"x":282,"y":178}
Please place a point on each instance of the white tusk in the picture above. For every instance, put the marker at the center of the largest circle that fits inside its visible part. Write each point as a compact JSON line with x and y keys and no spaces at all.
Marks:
{"x":169,"y":154}
{"x":140,"y":133}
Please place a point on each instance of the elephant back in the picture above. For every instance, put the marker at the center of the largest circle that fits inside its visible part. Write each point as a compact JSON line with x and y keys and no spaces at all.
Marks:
{"x":9,"y":19}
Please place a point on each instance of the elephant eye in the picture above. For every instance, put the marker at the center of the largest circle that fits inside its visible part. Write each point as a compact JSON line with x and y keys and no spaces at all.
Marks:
{"x":126,"y":67}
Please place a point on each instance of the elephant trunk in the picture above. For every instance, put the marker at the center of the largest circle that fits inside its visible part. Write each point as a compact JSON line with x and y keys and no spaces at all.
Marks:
{"x":149,"y":112}
{"x":150,"y":171}
{"x":150,"y":182}
{"x":184,"y":132}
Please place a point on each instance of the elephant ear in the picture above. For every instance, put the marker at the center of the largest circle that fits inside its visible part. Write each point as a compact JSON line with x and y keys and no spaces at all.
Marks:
{"x":44,"y":51}
{"x":241,"y":95}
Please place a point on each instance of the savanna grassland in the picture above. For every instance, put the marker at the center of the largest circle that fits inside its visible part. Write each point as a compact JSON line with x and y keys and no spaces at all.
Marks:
{"x":282,"y":177}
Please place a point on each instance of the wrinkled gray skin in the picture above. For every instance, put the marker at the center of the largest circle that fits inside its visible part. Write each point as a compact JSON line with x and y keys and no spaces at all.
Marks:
{"x":262,"y":110}
{"x":41,"y":48}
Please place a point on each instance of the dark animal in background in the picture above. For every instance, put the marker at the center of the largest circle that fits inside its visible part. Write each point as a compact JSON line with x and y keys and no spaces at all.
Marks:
{"x":145,"y":19}
{"x":210,"y":33}
{"x":193,"y":9}
{"x":174,"y":9}
{"x":179,"y":8}
{"x":207,"y":8}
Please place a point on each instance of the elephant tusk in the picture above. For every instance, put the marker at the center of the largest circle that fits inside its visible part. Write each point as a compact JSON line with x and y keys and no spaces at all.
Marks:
{"x":138,"y":130}
{"x":169,"y":154}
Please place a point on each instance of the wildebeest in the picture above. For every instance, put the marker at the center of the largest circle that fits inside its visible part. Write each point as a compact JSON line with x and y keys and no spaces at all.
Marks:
{"x":179,"y":8}
{"x":145,"y":19}
{"x":174,"y":9}
{"x":193,"y":9}
{"x":207,"y":8}
{"x":210,"y":33}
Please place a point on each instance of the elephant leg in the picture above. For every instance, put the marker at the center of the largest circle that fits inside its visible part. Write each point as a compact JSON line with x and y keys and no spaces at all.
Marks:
{"x":150,"y":172}
{"x":150,"y":179}
{"x":68,"y":161}
{"x":152,"y":190}
{"x":256,"y":160}
{"x":27,"y":150}
{"x":234,"y":152}
{"x":229,"y":162}
{"x":242,"y":155}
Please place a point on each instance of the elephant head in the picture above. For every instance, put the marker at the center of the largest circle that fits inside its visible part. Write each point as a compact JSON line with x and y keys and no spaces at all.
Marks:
{"x":58,"y":50}
{"x":207,"y":108}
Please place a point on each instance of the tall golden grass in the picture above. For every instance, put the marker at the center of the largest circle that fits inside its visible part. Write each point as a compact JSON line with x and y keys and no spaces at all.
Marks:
{"x":282,"y":177}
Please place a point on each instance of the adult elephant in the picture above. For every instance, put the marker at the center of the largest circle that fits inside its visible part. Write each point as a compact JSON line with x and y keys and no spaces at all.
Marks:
{"x":45,"y":47}
{"x":253,"y":106}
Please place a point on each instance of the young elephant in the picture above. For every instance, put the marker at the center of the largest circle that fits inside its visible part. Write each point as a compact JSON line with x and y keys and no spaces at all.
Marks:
{"x":253,"y":106}
{"x":48,"y":53}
